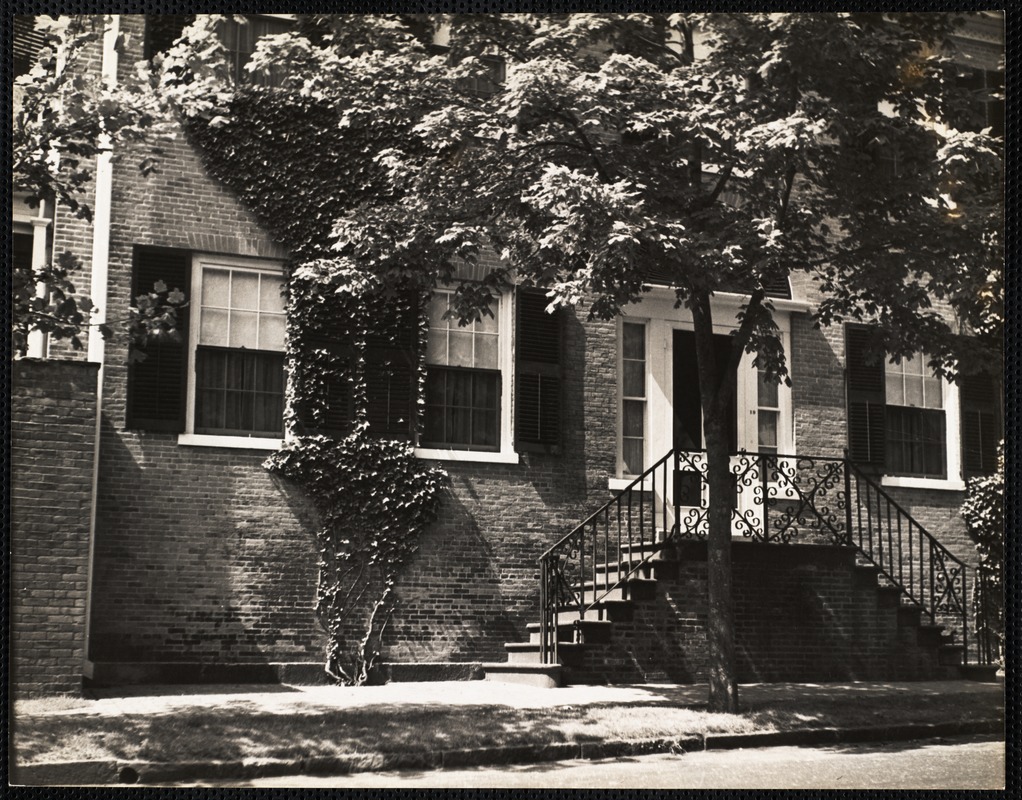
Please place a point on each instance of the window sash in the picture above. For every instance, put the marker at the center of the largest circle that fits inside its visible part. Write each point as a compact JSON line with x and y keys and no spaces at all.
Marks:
{"x":632,"y":388}
{"x":916,"y":442}
{"x":239,"y":391}
{"x":463,"y":408}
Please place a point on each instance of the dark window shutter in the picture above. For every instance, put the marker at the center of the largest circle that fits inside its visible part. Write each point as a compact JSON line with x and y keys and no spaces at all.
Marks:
{"x":981,"y":429}
{"x":537,"y":374}
{"x":157,"y":385}
{"x":390,"y":374}
{"x":866,"y":412}
{"x":334,"y":409}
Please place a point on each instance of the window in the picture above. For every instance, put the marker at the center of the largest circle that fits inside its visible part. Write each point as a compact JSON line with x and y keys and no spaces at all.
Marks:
{"x":768,"y":413}
{"x":239,"y":37}
{"x":633,"y":397}
{"x":903,"y":422}
{"x":239,"y":353}
{"x":463,"y":380}
{"x":220,"y":379}
{"x":240,"y":40}
{"x":915,"y":419}
{"x":477,"y":374}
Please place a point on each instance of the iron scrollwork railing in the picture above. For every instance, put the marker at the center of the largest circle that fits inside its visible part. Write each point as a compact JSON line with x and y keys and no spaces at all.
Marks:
{"x":774,"y":498}
{"x":609,"y":547}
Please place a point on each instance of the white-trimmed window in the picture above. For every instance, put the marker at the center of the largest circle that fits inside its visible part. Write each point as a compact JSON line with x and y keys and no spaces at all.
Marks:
{"x":916,"y":421}
{"x":632,"y":387}
{"x":467,"y":408}
{"x":236,"y":372}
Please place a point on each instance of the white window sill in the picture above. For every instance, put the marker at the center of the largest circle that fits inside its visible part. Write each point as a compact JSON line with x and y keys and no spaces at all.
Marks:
{"x":477,"y":456}
{"x":620,"y":484}
{"x":237,"y":442}
{"x":944,"y":484}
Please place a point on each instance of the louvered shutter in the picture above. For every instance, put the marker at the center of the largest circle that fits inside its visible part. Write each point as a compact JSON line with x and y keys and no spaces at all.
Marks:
{"x":334,"y":401}
{"x":981,"y":428}
{"x":157,"y":386}
{"x":866,"y":411}
{"x":390,"y":374}
{"x":537,"y":374}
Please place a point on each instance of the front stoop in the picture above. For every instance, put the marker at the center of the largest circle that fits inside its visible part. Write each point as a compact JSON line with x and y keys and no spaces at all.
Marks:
{"x":642,"y":631}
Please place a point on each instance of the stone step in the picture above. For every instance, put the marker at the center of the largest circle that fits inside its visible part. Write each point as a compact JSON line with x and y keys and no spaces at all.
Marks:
{"x":542,"y":675}
{"x":575,"y":630}
{"x":637,"y":589}
{"x":568,"y":653}
{"x":867,"y":575}
{"x":889,"y":596}
{"x":909,"y":616}
{"x":929,"y":633}
{"x":656,"y":568}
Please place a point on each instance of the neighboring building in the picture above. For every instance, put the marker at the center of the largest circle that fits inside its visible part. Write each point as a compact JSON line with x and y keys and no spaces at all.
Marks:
{"x":174,"y":555}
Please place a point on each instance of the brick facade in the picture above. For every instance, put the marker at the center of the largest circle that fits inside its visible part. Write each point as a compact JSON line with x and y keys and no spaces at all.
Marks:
{"x":203,"y":558}
{"x":53,"y":433}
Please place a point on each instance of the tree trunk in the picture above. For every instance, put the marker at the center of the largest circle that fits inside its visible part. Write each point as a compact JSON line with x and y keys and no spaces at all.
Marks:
{"x":715,"y":390}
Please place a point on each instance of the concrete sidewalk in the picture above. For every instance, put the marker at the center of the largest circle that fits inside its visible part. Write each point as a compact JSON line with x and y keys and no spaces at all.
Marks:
{"x":285,"y":701}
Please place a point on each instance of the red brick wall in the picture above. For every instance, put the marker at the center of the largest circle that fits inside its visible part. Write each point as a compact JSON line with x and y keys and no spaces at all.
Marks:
{"x":203,"y":557}
{"x":53,"y":423}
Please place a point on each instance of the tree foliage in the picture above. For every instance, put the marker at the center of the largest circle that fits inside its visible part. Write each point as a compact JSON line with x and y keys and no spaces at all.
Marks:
{"x":67,"y":115}
{"x":728,"y":162}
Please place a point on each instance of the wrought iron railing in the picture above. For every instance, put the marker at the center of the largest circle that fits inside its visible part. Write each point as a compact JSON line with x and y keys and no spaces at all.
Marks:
{"x":774,"y":498}
{"x":579,"y":571}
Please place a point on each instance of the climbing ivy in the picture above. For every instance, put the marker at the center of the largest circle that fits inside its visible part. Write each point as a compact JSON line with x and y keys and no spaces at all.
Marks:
{"x":983,"y":512}
{"x":374,"y":498}
{"x":298,"y":169}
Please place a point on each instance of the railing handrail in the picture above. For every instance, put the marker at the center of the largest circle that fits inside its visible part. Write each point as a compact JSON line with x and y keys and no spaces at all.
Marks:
{"x":602,"y":509}
{"x":933,"y":541}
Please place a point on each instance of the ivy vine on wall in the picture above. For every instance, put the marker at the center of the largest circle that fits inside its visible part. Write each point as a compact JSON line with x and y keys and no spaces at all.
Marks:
{"x":373,"y":496}
{"x":290,"y":164}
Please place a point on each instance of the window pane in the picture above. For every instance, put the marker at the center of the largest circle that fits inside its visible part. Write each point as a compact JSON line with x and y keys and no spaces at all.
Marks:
{"x":213,"y":330}
{"x":913,"y":391}
{"x":634,"y":379}
{"x":766,"y":391}
{"x":933,"y":392}
{"x":437,"y":309}
{"x":436,"y":347}
{"x":894,"y":386}
{"x":767,"y":429}
{"x":244,"y":290}
{"x":271,"y":332}
{"x":486,"y":351}
{"x":633,"y":341}
{"x":460,"y":352}
{"x":488,"y":324}
{"x":215,"y":287}
{"x":631,"y":453}
{"x":243,"y":329}
{"x":632,"y":423}
{"x":269,"y":294}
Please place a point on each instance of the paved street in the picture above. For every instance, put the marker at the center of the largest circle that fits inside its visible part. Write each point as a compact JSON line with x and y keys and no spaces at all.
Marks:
{"x":966,"y":763}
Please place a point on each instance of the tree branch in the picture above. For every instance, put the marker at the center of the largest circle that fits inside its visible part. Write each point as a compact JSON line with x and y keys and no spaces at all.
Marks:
{"x":728,"y":380}
{"x":601,"y":171}
{"x":789,"y":180}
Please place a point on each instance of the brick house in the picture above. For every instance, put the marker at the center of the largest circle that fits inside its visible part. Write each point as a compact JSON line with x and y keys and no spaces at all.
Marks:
{"x":150,"y":545}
